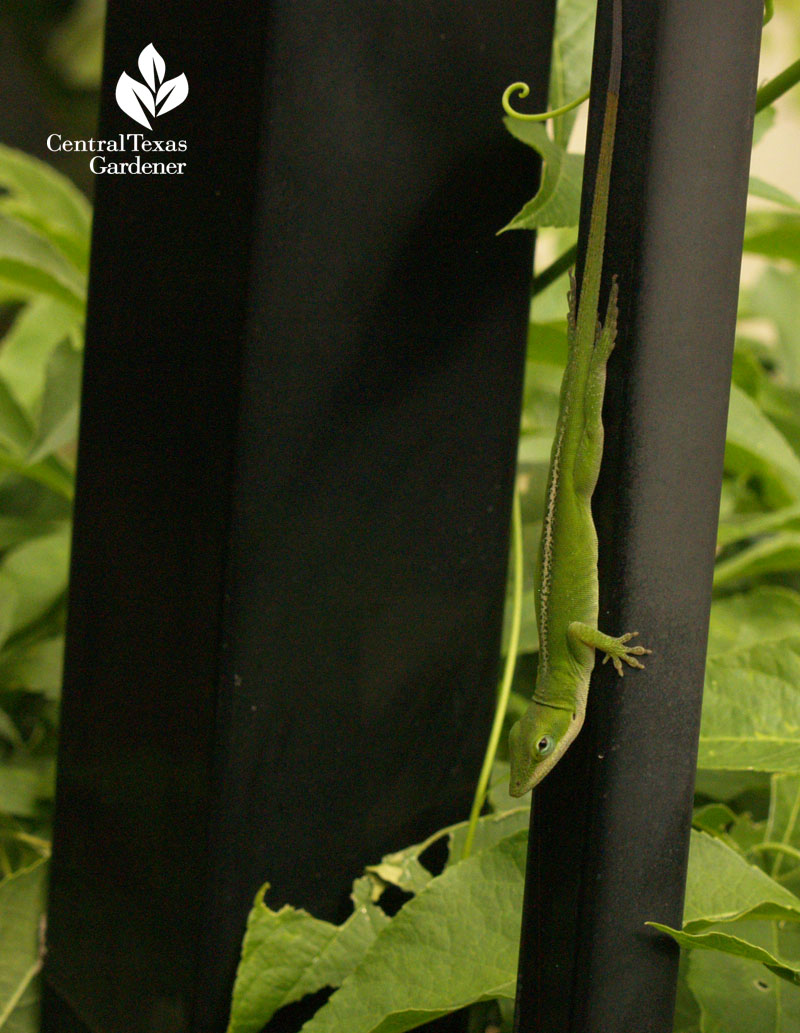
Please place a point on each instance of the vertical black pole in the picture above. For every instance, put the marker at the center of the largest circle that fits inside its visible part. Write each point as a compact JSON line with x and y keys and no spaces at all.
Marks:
{"x":301,"y":407}
{"x":610,"y":826}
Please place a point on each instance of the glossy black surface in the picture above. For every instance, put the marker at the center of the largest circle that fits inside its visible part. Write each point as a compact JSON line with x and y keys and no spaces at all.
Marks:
{"x":611,"y":825}
{"x":301,"y":402}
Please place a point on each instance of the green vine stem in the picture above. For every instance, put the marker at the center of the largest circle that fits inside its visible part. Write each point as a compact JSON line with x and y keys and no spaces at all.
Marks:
{"x":508,"y":677}
{"x":769,"y":845}
{"x":523,"y":90}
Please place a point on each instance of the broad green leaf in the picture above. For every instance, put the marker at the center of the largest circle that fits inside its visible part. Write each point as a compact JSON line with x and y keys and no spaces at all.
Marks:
{"x":31,"y":265}
{"x":448,"y":947}
{"x":28,"y":345}
{"x":287,"y":954}
{"x":768,"y":192}
{"x":547,"y":341}
{"x":58,"y":424}
{"x":16,"y":530}
{"x":46,"y":201}
{"x":404,"y":869}
{"x":722,"y":887}
{"x":765,"y":613}
{"x":755,"y":447}
{"x":751,"y":709}
{"x":558,"y":200}
{"x":774,"y":235}
{"x":687,"y":1011}
{"x":738,"y":996}
{"x":739,"y":948}
{"x":573,"y":40}
{"x":22,"y":904}
{"x":778,"y":553}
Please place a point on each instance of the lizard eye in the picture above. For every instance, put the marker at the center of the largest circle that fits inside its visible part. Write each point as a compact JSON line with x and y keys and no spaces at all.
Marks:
{"x":545,"y":745}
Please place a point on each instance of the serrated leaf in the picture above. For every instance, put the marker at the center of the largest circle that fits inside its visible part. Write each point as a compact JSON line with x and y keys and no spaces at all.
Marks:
{"x":430,"y":960}
{"x":558,"y":200}
{"x":287,"y":954}
{"x":22,"y":903}
{"x":751,"y":709}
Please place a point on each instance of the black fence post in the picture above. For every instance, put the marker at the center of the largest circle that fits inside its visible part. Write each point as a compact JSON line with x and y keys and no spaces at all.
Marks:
{"x":301,"y":403}
{"x":610,"y":827}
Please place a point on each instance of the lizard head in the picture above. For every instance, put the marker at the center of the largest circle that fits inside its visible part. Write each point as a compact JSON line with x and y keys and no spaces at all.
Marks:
{"x":537,"y":742}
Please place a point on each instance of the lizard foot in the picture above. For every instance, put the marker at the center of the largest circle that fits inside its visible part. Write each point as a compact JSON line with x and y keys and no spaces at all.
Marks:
{"x":617,"y":650}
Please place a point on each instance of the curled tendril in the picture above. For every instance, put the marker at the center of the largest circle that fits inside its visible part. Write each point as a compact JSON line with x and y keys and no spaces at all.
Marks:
{"x":523,"y":90}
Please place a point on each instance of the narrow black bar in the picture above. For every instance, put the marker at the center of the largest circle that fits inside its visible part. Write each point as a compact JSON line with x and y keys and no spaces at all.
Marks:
{"x":301,"y":406}
{"x":610,"y":827}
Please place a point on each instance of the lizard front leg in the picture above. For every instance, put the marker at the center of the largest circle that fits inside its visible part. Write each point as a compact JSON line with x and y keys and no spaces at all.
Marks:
{"x":616,"y":649}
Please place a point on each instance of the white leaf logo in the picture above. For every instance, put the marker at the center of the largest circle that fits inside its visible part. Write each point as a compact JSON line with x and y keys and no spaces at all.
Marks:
{"x":154,"y":96}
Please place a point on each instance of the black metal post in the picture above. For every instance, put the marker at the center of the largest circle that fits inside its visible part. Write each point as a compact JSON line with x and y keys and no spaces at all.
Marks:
{"x":301,"y":405}
{"x":610,"y":827}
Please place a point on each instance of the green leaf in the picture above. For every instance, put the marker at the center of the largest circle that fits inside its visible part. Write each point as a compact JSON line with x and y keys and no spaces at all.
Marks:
{"x":783,"y":823}
{"x":22,"y":904}
{"x":31,"y":265}
{"x":774,"y":235}
{"x":58,"y":424}
{"x":754,"y":447}
{"x":287,"y":954}
{"x":765,"y":613}
{"x":728,"y":944}
{"x":558,"y":200}
{"x":448,"y":947}
{"x":739,"y":526}
{"x":738,"y":996}
{"x":764,"y":121}
{"x":47,"y":202}
{"x":28,"y":345}
{"x":15,"y":427}
{"x":570,"y":71}
{"x":36,"y":667}
{"x":34,"y":576}
{"x":768,"y":192}
{"x":779,"y":553}
{"x":24,"y":783}
{"x":751,"y":709}
{"x":722,"y":887}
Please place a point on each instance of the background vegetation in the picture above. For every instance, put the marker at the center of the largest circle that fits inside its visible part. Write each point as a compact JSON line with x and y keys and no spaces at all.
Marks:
{"x":741,"y":967}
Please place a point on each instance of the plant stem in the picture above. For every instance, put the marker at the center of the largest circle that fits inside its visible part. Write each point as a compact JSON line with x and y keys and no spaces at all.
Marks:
{"x":776,"y":87}
{"x":508,"y":676}
{"x":782,"y":848}
{"x":554,"y":270}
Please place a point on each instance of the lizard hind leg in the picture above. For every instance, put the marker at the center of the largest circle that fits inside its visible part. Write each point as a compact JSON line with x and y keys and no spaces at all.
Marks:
{"x":616,"y":649}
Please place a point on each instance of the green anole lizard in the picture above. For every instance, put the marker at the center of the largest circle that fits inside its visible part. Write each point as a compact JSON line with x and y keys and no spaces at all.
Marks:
{"x":566,"y":573}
